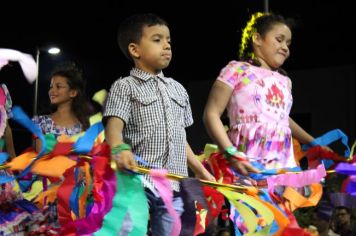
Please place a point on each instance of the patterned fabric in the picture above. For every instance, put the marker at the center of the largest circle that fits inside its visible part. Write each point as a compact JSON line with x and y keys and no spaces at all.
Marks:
{"x":8,"y":100}
{"x":259,"y":113}
{"x":47,"y":125}
{"x":155,"y":110}
{"x":17,"y":215}
{"x":5,"y":107}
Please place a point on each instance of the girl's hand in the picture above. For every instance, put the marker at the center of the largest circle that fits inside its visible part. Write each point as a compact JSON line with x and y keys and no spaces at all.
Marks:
{"x":243,"y":167}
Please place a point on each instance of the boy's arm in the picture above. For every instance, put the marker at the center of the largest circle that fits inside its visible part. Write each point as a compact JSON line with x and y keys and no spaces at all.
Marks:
{"x":113,"y":134}
{"x":9,"y":143}
{"x":196,"y":166}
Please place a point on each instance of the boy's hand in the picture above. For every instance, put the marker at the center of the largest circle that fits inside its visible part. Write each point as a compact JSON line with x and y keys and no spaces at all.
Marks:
{"x":125,"y":160}
{"x":205,"y":175}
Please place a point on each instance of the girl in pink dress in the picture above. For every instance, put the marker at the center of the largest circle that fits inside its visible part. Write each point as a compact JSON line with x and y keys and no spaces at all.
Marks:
{"x":257,"y":95}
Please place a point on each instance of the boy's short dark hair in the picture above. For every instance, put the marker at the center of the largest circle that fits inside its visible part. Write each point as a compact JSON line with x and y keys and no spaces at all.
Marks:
{"x":130,"y":30}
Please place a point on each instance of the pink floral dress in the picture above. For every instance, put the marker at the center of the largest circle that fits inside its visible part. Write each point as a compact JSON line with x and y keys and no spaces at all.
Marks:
{"x":258,"y":112}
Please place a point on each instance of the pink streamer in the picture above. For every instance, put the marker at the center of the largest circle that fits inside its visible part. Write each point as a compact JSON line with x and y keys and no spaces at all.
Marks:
{"x":297,"y":179}
{"x":26,"y":61}
{"x":163,"y":186}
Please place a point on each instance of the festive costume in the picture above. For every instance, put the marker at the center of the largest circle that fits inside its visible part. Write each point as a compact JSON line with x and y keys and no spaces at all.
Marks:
{"x":17,"y":215}
{"x":258,"y":112}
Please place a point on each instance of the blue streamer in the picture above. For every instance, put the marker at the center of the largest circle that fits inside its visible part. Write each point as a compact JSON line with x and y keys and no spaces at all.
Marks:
{"x":85,"y":143}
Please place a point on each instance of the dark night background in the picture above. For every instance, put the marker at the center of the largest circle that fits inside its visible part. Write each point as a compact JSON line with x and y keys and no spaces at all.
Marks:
{"x":205,"y":37}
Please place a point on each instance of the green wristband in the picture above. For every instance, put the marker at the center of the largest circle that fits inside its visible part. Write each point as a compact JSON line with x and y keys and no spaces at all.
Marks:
{"x":119,"y":148}
{"x":230,"y":151}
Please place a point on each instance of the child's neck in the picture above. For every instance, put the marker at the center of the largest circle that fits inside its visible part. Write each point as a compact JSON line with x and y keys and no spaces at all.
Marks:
{"x":148,"y":70}
{"x":64,"y":111}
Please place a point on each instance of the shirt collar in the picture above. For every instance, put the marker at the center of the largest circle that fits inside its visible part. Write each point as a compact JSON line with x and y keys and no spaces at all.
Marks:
{"x":145,"y":76}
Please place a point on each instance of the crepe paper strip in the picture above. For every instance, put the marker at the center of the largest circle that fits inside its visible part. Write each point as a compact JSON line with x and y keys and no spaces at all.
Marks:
{"x":317,"y":154}
{"x":210,"y":149}
{"x":296,"y":200}
{"x":51,"y":142}
{"x":192,"y":195}
{"x":328,"y":138}
{"x":35,"y":191}
{"x":3,"y":157}
{"x":85,"y":143}
{"x":100,"y":96}
{"x":26,"y":61}
{"x":96,"y":118}
{"x":53,"y":167}
{"x":298,"y":151}
{"x":30,"y":188}
{"x":343,"y":199}
{"x":236,"y":219}
{"x":75,"y":194}
{"x":293,"y":228}
{"x":62,"y":148}
{"x":63,"y":206}
{"x":85,"y":194}
{"x":129,"y":200}
{"x":104,"y":175}
{"x":20,"y":116}
{"x":346,"y":169}
{"x":304,"y":178}
{"x":352,"y":157}
{"x":264,"y":211}
{"x":250,"y":219}
{"x":80,"y":190}
{"x":221,"y":168}
{"x":351,"y":187}
{"x":93,"y":221}
{"x":48,"y":196}
{"x":281,"y":221}
{"x":215,"y":201}
{"x":163,"y":187}
{"x":201,"y":217}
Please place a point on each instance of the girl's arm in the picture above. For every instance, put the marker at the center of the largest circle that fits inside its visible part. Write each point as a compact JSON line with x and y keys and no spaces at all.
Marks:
{"x":299,"y":133}
{"x":219,"y":97}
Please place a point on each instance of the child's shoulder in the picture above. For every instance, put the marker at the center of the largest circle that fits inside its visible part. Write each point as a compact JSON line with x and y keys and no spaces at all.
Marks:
{"x":238,"y":64}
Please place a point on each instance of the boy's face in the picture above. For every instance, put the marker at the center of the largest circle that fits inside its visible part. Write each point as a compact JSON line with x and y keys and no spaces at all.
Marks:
{"x":153,"y":52}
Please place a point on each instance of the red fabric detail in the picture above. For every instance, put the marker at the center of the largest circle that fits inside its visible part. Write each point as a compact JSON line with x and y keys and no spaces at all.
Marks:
{"x":317,"y":153}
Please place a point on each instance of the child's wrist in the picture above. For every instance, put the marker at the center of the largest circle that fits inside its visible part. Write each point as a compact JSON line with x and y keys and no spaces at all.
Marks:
{"x":119,"y":148}
{"x":230,"y":152}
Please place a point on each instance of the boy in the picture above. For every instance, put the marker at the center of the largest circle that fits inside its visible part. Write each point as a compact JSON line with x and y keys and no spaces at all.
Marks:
{"x":151,"y":111}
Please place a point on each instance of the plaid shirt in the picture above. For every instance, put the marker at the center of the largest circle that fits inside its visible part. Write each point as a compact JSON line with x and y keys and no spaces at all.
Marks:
{"x":156,"y":111}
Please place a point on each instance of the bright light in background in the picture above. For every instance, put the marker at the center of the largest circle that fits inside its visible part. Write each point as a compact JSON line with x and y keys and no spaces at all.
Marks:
{"x":54,"y":50}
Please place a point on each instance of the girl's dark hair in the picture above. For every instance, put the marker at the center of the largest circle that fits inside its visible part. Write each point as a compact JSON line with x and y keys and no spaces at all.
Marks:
{"x":130,"y":30}
{"x":260,"y":23}
{"x":76,"y":82}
